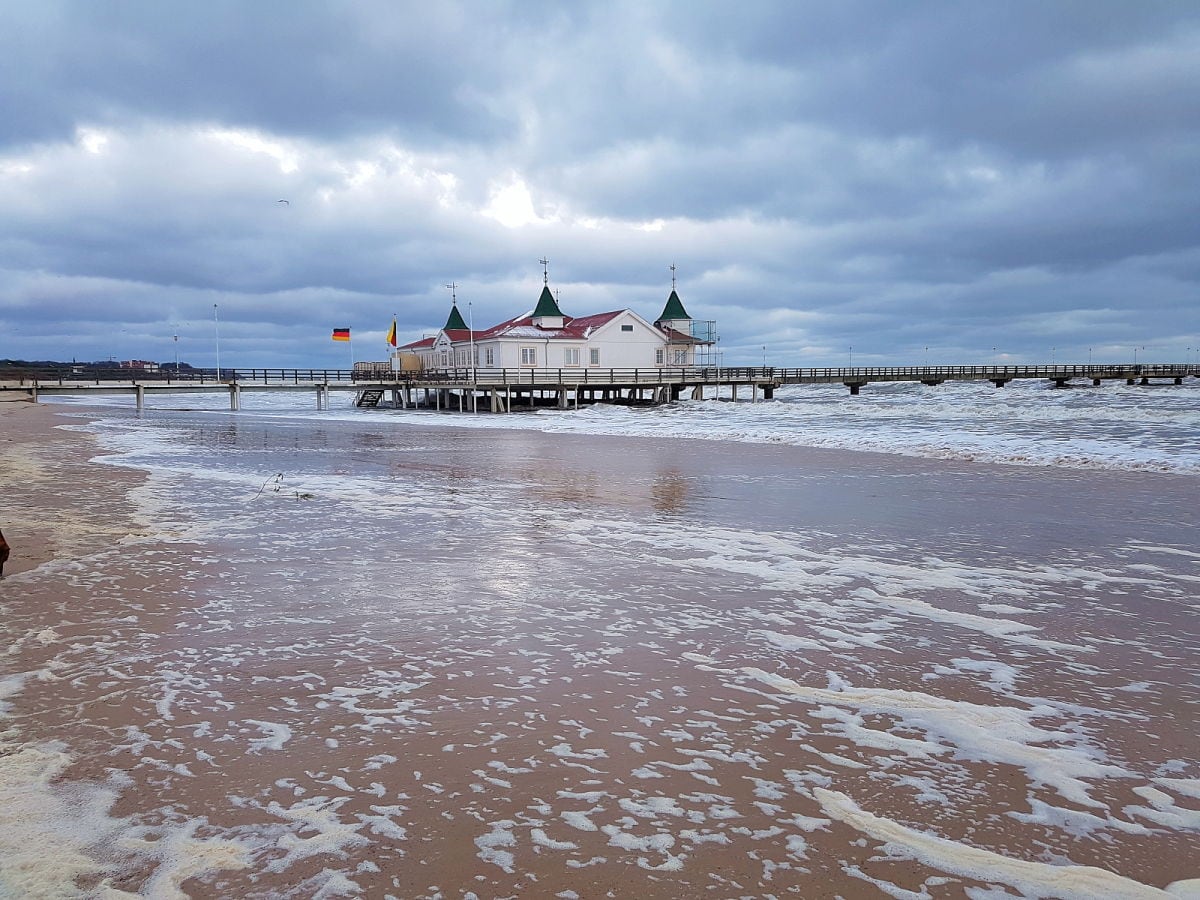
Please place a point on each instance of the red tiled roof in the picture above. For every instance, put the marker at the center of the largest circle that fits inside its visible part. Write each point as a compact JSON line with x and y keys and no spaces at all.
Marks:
{"x":422,"y":344}
{"x":573,"y":329}
{"x":678,"y":337}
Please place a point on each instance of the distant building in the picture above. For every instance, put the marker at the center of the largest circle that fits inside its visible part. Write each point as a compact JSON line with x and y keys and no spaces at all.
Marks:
{"x":142,"y":364}
{"x":547,"y":338}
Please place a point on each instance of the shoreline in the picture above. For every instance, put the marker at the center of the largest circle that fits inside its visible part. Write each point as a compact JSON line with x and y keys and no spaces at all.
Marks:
{"x":970,"y":435}
{"x":57,"y":505}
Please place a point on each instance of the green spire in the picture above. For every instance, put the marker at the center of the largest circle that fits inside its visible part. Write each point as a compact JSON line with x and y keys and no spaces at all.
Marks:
{"x":546,"y":305}
{"x":455,"y":321}
{"x":674,"y":309}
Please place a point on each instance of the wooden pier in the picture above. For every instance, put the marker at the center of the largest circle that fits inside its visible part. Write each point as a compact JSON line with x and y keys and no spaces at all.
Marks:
{"x":508,"y":390}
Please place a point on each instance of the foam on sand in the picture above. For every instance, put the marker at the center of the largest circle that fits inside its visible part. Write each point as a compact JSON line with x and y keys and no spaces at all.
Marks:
{"x":1032,"y":879}
{"x":46,"y":829}
{"x":999,"y":734}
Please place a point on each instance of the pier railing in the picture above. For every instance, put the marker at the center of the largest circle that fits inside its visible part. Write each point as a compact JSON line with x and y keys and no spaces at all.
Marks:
{"x":582,"y":375}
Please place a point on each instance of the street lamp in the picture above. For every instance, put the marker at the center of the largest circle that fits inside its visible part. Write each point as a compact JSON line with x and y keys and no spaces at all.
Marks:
{"x":852,"y":357}
{"x":217,"y":334}
{"x":474,"y":361}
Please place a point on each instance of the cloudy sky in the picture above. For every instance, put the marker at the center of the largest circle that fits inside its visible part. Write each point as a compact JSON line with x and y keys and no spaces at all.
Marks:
{"x":943,"y":181}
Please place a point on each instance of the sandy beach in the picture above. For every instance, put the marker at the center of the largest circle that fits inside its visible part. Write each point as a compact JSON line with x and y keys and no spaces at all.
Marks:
{"x":342,"y":661}
{"x":55,"y":504}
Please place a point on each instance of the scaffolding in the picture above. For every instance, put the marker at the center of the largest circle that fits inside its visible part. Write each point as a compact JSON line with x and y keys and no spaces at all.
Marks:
{"x":708,"y":350}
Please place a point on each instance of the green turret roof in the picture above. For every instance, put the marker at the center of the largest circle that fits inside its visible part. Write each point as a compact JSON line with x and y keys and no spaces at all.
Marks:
{"x":546,"y":305}
{"x":455,"y":321}
{"x":674,"y":309}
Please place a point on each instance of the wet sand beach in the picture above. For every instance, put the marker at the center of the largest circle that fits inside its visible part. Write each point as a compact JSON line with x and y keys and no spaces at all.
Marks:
{"x":285,"y":658}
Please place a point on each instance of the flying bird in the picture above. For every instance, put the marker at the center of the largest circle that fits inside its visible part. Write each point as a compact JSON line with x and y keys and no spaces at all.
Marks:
{"x":284,"y":202}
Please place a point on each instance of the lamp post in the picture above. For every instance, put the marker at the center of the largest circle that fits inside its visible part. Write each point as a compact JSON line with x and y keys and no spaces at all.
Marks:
{"x":471,"y":334}
{"x":852,"y":357}
{"x":217,"y":335}
{"x":764,"y":356}
{"x":176,"y":354}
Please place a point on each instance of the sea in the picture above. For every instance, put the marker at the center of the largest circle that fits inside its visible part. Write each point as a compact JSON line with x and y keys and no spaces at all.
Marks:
{"x":922,"y":642}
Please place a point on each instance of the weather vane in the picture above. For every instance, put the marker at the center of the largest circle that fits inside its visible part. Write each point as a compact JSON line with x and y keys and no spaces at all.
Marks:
{"x":672,"y":276}
{"x":452,"y":287}
{"x":545,"y":270}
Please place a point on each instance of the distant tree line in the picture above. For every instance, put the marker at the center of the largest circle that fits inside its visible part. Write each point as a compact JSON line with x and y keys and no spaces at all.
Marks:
{"x":10,"y":368}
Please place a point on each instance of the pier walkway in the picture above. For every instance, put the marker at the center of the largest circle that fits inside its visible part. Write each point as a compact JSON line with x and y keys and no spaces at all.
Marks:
{"x":503,"y":390}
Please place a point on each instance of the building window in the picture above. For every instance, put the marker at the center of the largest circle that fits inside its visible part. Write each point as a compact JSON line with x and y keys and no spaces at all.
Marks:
{"x":658,"y":356}
{"x":529,"y":356}
{"x":488,"y":356}
{"x":595,"y":356}
{"x":627,"y":328}
{"x":681,"y":357}
{"x":445,"y":359}
{"x":570,"y":356}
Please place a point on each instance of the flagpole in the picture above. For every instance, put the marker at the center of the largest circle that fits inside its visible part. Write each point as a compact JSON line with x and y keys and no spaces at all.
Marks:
{"x":391,"y":345}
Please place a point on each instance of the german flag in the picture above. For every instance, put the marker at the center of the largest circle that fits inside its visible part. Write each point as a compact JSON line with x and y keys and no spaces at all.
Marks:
{"x":341,"y":334}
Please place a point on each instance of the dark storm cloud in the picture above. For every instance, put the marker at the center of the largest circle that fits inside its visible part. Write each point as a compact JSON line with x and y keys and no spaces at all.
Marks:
{"x":293,"y":68}
{"x":886,"y":176}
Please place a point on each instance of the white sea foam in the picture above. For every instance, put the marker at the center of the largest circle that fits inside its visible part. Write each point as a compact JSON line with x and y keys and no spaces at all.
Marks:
{"x":493,"y":845}
{"x":1033,"y":879}
{"x":998,"y":734}
{"x":318,"y":815}
{"x":1026,"y":424}
{"x":46,"y":829}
